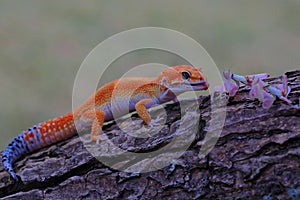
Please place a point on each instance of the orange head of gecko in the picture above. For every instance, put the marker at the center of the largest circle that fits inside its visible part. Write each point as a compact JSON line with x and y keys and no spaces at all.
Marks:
{"x":183,"y":78}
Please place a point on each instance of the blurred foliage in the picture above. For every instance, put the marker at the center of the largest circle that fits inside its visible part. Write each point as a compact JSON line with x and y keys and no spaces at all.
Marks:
{"x":44,"y":42}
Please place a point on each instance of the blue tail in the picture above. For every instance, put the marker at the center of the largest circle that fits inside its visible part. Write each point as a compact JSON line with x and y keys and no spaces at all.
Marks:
{"x":16,"y":148}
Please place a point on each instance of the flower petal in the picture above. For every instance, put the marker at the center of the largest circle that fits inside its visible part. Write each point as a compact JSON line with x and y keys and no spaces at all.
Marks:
{"x":227,"y":74}
{"x":257,"y":89}
{"x":261,"y":76}
{"x":233,"y":89}
{"x":268,"y":100}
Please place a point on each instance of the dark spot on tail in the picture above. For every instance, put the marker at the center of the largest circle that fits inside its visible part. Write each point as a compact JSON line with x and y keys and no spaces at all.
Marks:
{"x":16,"y":148}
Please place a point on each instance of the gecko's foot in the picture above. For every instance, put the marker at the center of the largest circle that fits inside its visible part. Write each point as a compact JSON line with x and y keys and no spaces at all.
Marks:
{"x":94,"y":139}
{"x":97,"y":139}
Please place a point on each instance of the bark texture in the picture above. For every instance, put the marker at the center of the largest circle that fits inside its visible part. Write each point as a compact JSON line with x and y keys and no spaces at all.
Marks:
{"x":257,"y":156}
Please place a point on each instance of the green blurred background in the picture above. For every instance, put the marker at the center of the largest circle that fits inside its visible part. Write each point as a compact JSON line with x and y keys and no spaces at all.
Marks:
{"x":43,"y":44}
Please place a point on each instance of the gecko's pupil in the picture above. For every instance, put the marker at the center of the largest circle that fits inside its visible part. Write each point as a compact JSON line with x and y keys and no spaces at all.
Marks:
{"x":185,"y":75}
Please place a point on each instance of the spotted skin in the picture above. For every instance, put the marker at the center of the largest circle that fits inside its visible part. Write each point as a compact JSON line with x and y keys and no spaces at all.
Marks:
{"x":36,"y":137}
{"x":100,"y":107}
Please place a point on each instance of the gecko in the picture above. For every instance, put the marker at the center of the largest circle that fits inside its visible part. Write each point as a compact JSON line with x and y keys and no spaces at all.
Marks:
{"x":98,"y":108}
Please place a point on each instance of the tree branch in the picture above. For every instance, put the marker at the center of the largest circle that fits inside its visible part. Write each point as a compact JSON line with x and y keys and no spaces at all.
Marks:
{"x":257,"y":155}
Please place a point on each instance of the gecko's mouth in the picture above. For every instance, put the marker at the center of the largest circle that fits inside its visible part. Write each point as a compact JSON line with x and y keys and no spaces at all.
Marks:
{"x":199,"y":85}
{"x":179,"y":87}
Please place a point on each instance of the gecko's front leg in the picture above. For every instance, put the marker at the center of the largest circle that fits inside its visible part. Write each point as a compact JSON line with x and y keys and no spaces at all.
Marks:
{"x":141,"y":109}
{"x":97,"y":118}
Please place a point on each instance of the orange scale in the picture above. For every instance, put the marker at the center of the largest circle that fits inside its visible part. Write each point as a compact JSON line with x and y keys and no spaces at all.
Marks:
{"x":26,"y":136}
{"x":30,"y":134}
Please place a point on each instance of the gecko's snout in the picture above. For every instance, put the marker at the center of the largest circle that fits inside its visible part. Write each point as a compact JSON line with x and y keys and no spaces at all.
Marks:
{"x":206,"y":85}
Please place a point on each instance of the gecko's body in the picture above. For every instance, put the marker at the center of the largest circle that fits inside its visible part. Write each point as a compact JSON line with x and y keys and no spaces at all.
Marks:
{"x":113,"y":99}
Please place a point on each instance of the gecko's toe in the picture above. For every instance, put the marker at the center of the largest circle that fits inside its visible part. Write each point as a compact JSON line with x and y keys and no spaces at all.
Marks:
{"x":94,"y":138}
{"x":98,"y":138}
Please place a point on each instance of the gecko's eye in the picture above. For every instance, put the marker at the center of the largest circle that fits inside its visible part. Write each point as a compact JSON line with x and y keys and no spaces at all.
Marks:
{"x":185,"y":75}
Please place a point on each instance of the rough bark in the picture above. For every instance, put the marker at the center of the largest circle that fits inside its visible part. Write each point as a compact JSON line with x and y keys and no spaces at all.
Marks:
{"x":257,"y":156}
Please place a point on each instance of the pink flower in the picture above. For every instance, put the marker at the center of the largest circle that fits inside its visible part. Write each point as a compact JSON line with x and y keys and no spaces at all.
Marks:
{"x":248,"y":79}
{"x":281,"y":90}
{"x":258,"y":91}
{"x":258,"y":87}
{"x":229,"y":86}
{"x":268,"y":100}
